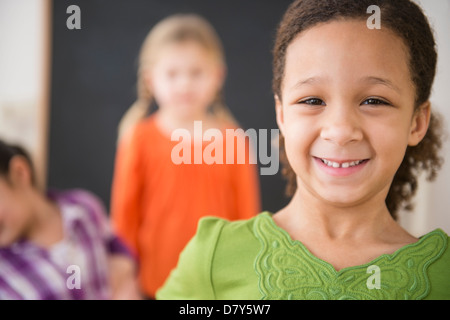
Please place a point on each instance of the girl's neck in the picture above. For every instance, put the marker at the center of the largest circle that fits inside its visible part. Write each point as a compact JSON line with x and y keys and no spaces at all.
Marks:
{"x":46,"y":227}
{"x":307,"y":216}
{"x":169,"y":122}
{"x":343,"y":237}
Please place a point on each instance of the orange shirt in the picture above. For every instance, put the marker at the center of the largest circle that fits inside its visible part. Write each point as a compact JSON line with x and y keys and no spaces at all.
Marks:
{"x":156,"y":204}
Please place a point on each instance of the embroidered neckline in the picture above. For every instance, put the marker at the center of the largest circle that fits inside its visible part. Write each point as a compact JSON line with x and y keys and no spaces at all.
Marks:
{"x":288,"y":270}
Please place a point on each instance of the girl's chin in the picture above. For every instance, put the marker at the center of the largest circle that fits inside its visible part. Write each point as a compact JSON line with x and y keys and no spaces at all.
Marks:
{"x":338,"y":196}
{"x":333,"y":201}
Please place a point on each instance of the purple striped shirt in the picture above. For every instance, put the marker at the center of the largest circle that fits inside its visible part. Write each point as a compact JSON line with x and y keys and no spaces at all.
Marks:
{"x":76,"y":268}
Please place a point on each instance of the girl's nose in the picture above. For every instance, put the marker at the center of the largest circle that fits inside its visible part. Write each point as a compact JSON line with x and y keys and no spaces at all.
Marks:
{"x":341,"y":127}
{"x":183,"y":80}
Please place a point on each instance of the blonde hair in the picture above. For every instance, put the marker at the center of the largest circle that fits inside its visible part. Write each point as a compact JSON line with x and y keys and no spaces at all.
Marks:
{"x":174,"y":29}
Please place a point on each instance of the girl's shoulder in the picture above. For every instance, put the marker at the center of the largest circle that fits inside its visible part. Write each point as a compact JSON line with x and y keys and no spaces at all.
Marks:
{"x":79,"y":204}
{"x":227,"y":230}
{"x":438,"y":241}
{"x":143,"y":131}
{"x":221,"y":253}
{"x":145,"y":126}
{"x":226,"y":240}
{"x":438,"y":265}
{"x":220,"y":237}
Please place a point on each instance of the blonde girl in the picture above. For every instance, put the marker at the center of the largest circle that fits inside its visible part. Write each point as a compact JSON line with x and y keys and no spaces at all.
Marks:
{"x":179,"y":28}
{"x":156,"y":204}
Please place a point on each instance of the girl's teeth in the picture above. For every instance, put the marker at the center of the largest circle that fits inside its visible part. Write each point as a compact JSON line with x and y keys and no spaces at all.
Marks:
{"x":343,"y":165}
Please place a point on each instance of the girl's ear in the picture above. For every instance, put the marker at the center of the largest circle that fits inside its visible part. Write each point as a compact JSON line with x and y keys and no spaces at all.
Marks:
{"x":419,"y":124}
{"x":221,"y":75}
{"x":19,"y":172}
{"x":279,"y":113}
{"x":147,"y":78}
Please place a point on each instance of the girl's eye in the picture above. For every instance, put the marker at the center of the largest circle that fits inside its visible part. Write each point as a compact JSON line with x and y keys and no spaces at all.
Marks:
{"x":375,"y":101}
{"x":312,"y":102}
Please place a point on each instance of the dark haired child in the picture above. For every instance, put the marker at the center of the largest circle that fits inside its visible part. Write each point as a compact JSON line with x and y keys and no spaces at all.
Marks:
{"x":57,"y":246}
{"x":353,"y":108}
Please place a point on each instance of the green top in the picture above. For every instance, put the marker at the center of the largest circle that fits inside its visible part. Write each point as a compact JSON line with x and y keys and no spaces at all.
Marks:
{"x":255,"y":259}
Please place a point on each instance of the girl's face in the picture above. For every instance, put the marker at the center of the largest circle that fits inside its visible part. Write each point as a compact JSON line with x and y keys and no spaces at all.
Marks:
{"x":347,"y":111}
{"x":15,"y":217}
{"x":185,"y":79}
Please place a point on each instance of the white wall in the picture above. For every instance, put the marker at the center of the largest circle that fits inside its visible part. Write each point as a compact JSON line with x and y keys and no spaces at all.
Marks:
{"x":24,"y":65}
{"x":433,"y":199}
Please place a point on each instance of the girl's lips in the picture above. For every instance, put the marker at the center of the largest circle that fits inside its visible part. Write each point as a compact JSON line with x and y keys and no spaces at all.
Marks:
{"x":340,"y":168}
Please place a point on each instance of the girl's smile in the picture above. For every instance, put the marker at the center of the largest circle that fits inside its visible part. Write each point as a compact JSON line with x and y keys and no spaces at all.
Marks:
{"x":341,"y":168}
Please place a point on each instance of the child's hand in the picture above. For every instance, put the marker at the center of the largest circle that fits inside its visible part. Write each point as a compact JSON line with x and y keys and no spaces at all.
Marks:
{"x":123,"y":279}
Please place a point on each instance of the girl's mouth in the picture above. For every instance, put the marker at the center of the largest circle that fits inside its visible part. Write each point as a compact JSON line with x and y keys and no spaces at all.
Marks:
{"x":346,"y":164}
{"x":341,"y":167}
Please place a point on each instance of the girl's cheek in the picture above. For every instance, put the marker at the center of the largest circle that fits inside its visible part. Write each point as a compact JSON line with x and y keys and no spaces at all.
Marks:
{"x":11,"y":222}
{"x":4,"y":226}
{"x":3,"y":213}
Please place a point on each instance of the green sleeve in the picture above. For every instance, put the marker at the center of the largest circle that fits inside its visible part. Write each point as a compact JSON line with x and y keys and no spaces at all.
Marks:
{"x":439,"y":275}
{"x":191,"y":279}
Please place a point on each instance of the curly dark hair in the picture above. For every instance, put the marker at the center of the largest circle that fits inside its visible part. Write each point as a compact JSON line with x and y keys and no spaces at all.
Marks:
{"x":406,"y":20}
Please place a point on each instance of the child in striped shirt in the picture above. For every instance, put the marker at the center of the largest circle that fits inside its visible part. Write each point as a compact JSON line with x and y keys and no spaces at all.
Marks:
{"x":59,"y":245}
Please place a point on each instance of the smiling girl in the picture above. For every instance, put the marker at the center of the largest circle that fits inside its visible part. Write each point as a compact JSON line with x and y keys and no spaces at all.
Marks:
{"x":352,"y":105}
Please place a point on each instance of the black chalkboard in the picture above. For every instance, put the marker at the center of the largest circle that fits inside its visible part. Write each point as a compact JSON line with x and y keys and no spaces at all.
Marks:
{"x":94,"y":77}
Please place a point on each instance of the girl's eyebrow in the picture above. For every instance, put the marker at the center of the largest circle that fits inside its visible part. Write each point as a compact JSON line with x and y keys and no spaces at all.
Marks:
{"x":382,"y":81}
{"x":369,"y":80}
{"x":310,"y":81}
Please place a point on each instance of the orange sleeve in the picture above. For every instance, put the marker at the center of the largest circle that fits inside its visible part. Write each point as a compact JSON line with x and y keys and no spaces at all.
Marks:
{"x":247,"y":187}
{"x":126,"y":193}
{"x":247,"y":191}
